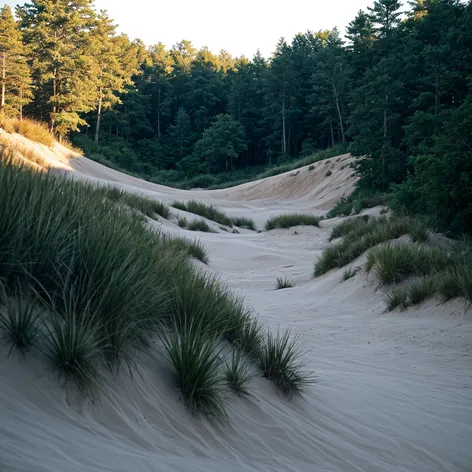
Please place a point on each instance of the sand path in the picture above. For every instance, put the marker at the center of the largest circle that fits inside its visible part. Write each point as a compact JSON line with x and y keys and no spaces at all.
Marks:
{"x":394,"y":391}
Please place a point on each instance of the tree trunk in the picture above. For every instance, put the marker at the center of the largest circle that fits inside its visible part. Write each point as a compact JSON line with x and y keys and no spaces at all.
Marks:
{"x":4,"y":73}
{"x":99,"y":117}
{"x":54,"y":91}
{"x":332,"y":133}
{"x":340,"y":117}
{"x":159,"y":114}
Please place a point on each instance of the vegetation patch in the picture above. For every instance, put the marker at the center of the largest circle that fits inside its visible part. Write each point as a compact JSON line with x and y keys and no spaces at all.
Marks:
{"x":237,"y":373}
{"x":280,"y":362}
{"x":30,"y":129}
{"x":283,"y":282}
{"x":200,"y":225}
{"x":207,"y":211}
{"x":244,"y":222}
{"x":350,"y":273}
{"x":145,"y":205}
{"x":292,"y":219}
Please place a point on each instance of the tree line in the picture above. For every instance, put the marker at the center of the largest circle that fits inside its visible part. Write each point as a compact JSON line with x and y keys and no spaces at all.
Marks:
{"x":396,"y":91}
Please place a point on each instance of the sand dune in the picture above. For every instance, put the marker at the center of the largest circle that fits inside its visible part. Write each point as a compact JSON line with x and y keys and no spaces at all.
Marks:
{"x":394,"y":391}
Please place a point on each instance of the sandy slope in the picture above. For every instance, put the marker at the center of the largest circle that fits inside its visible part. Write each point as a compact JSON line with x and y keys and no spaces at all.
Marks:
{"x":394,"y":391}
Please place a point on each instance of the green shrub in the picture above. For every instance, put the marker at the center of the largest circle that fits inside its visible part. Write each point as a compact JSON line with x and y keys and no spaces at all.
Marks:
{"x":280,"y":361}
{"x":195,"y":361}
{"x":292,"y":219}
{"x":237,"y":373}
{"x":207,"y":211}
{"x":199,"y":225}
{"x":243,"y":222}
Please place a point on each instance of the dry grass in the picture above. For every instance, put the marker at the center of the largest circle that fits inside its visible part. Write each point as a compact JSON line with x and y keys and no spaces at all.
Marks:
{"x":30,"y":129}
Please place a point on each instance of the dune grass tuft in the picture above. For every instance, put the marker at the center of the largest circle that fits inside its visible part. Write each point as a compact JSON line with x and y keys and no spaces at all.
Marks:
{"x":202,"y":209}
{"x":19,"y":323}
{"x":349,"y":273}
{"x":193,"y":248}
{"x":394,"y":262}
{"x":199,"y":225}
{"x":347,"y":226}
{"x":147,"y":206}
{"x":182,"y":222}
{"x":195,"y":360}
{"x":280,"y":361}
{"x":237,"y":373}
{"x":398,"y":297}
{"x":292,"y":219}
{"x":283,"y":282}
{"x":72,"y":347}
{"x":244,"y":222}
{"x":358,"y":235}
{"x":420,"y":290}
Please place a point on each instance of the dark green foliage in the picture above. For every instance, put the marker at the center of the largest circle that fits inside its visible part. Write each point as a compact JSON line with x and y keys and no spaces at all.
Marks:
{"x":292,"y":219}
{"x":283,"y":282}
{"x":196,"y":364}
{"x":19,"y":323}
{"x":207,"y":211}
{"x":237,"y":373}
{"x":244,"y":222}
{"x":280,"y":361}
{"x":199,"y":225}
{"x":189,"y":248}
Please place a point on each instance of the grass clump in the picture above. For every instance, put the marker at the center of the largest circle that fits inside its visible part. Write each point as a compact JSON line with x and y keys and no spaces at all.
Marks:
{"x":394,"y":262}
{"x":193,"y":249}
{"x":348,"y":226}
{"x":30,"y":129}
{"x":199,"y":225}
{"x":202,"y":209}
{"x":358,"y":235}
{"x":283,"y":282}
{"x":145,"y":205}
{"x":19,"y":323}
{"x":356,"y":202}
{"x":237,"y":373}
{"x":398,"y":297}
{"x":73,"y":349}
{"x":182,"y":222}
{"x":244,"y":222}
{"x":349,"y":273}
{"x":280,"y":361}
{"x":420,"y":290}
{"x":195,"y":361}
{"x":292,"y":219}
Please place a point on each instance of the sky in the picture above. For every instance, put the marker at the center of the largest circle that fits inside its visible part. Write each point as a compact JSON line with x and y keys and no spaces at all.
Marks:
{"x":240,"y":26}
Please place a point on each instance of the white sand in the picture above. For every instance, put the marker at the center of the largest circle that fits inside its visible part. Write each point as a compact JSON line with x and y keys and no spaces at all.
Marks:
{"x":394,"y":391}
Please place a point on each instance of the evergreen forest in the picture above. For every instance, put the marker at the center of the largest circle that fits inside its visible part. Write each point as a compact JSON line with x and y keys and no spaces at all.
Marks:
{"x":395,"y":92}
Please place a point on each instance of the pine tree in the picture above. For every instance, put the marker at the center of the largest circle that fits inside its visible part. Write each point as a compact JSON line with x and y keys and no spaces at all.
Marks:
{"x":57,"y":32}
{"x":180,"y":136}
{"x":15,"y":73}
{"x":221,"y":144}
{"x":115,"y":62}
